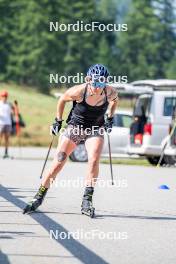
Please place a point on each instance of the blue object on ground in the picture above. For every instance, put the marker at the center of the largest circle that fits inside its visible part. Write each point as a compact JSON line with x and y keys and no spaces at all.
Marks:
{"x":164,"y":187}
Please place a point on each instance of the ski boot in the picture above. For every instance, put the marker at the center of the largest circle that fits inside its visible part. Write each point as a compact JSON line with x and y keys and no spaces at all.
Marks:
{"x":6,"y":156}
{"x":87,"y":207}
{"x":36,"y":201}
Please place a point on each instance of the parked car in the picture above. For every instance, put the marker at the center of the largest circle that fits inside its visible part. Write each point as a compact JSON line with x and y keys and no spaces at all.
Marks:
{"x":152,"y":117}
{"x":118,"y":137}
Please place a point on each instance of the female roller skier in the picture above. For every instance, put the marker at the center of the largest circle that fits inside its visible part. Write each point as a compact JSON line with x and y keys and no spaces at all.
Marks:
{"x":90,"y":103}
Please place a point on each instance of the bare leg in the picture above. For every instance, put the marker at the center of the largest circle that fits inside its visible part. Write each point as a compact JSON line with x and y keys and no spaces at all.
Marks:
{"x":6,"y":137}
{"x":94,"y":147}
{"x":64,"y":149}
{"x":1,"y":135}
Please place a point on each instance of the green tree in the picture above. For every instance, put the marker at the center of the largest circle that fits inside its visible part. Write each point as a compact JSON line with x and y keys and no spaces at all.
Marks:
{"x":171,"y":68}
{"x":103,"y":52}
{"x":7,"y":14}
{"x":35,"y":50}
{"x":107,"y":13}
{"x":80,"y":45}
{"x":138,"y":46}
{"x":141,"y":49}
{"x":166,"y":34}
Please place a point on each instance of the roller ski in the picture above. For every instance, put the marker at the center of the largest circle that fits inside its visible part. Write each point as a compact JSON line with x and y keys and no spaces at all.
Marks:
{"x":87,"y":207}
{"x":36,"y":201}
{"x":6,"y":156}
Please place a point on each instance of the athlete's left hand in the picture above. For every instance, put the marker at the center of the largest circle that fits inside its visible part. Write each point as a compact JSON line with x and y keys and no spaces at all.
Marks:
{"x":108,"y":124}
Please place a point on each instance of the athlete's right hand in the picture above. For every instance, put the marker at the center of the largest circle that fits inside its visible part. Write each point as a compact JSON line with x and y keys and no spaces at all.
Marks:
{"x":56,"y":126}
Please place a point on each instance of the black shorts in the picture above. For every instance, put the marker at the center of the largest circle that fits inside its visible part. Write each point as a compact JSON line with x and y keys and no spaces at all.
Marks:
{"x":78,"y":134}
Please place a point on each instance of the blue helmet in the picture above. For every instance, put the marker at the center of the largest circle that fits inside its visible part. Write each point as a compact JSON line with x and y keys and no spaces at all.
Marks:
{"x":97,"y":71}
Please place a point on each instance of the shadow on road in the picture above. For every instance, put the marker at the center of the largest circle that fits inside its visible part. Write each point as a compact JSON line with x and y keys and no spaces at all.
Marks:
{"x":8,"y":234}
{"x":40,"y":256}
{"x":101,"y":216}
{"x":3,"y":258}
{"x":145,"y":217}
{"x":77,"y":249}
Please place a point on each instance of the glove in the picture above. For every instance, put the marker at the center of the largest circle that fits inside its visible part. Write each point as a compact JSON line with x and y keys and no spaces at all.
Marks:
{"x":56,"y":126}
{"x":108,"y":124}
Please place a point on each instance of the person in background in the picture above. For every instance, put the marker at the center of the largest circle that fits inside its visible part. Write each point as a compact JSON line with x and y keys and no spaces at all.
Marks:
{"x":6,"y":111}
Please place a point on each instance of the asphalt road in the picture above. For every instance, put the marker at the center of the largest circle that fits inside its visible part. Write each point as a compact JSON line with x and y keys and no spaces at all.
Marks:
{"x":135,"y":221}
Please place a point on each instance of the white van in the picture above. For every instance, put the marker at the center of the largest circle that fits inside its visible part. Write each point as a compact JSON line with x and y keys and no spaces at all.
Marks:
{"x":152,"y":117}
{"x":170,"y":151}
{"x":169,"y":144}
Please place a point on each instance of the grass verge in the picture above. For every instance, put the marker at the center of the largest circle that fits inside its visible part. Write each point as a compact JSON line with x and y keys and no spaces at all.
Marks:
{"x":38,"y":111}
{"x":138,"y":162}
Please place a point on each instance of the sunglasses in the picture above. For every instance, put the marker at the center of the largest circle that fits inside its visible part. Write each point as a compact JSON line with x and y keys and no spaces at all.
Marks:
{"x":99,"y":84}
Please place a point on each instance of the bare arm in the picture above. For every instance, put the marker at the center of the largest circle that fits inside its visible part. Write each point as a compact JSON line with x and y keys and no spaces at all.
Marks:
{"x":112,"y":108}
{"x":113,"y":101}
{"x":72,"y":94}
{"x":12,"y":110}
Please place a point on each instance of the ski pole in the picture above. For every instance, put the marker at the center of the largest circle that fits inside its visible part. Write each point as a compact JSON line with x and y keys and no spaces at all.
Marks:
{"x":165,"y":145}
{"x":110,"y":158}
{"x":0,"y":140}
{"x":18,"y":129}
{"x":47,"y":157}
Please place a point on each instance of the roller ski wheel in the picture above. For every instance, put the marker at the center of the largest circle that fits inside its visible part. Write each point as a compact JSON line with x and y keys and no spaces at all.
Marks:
{"x":28,"y":209}
{"x":36,"y":201}
{"x":32,"y":206}
{"x":89,"y":212}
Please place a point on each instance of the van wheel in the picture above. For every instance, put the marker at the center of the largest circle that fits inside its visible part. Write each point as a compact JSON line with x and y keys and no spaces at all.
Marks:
{"x":154,"y":160}
{"x":170,"y":160}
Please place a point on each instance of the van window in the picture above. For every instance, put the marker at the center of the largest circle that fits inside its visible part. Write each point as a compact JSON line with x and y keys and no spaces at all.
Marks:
{"x":142,"y":106}
{"x":169,"y":106}
{"x":127,"y":120}
{"x":122,"y":120}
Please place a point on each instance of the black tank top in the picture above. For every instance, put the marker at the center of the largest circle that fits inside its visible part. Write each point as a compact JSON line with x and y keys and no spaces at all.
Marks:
{"x":87,"y":115}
